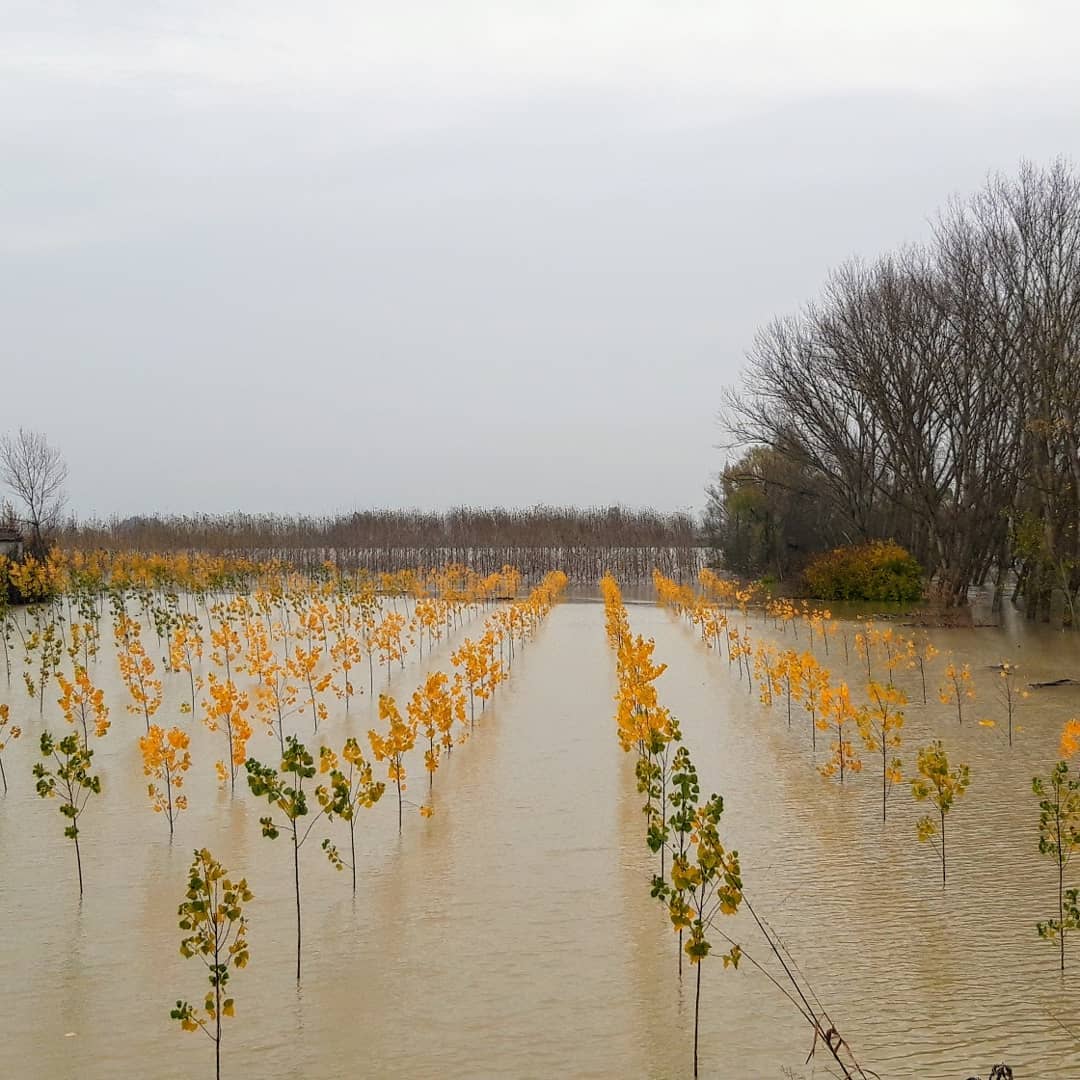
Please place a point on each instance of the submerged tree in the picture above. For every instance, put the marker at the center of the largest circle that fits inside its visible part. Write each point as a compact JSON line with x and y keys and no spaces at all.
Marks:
{"x":392,"y":747}
{"x":956,"y":688}
{"x":815,"y":684}
{"x":166,"y":758}
{"x":879,"y":726}
{"x":213,"y":920}
{"x":941,"y":786}
{"x":1010,"y":693}
{"x":351,"y":789}
{"x":83,"y":703}
{"x":290,"y":799}
{"x":1059,"y":836}
{"x":705,"y":882}
{"x":683,"y":799}
{"x":69,"y":779}
{"x":921,"y":654}
{"x":655,"y":771}
{"x":837,"y":711}
{"x":431,"y":711}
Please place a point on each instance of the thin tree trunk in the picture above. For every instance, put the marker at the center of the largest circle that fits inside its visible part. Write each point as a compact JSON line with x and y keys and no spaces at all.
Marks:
{"x":78,"y":860}
{"x":943,"y":849}
{"x":884,"y":776}
{"x":1061,"y":880}
{"x":1061,"y":910}
{"x":352,"y":847}
{"x":296,"y":879}
{"x":168,"y":795}
{"x":697,"y":1014}
{"x":217,"y":1018}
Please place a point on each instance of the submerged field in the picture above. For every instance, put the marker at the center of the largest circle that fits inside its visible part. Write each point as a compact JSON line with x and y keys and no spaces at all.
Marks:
{"x":512,"y":932}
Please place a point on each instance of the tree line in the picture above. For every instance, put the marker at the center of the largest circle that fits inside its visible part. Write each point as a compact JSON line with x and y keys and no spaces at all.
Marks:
{"x":931,"y":397}
{"x":583,"y":543}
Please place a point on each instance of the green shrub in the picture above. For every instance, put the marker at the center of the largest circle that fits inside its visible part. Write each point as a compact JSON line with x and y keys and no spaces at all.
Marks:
{"x":875,"y":570}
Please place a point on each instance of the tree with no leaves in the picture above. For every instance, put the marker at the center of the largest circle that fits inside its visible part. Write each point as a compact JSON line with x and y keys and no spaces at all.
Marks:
{"x":35,"y":472}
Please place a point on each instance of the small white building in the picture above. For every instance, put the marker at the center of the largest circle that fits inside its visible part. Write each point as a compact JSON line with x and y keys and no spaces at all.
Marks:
{"x":11,"y":542}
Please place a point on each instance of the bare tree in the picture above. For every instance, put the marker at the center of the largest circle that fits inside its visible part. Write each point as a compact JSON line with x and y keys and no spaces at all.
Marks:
{"x":933,"y":396}
{"x":35,"y":472}
{"x":582,"y":541}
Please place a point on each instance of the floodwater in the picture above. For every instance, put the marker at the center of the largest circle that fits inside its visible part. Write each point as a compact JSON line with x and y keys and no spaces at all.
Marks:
{"x":512,"y":934}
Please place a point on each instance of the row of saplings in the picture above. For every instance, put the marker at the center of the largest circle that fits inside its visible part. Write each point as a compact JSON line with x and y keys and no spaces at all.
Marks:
{"x":705,"y":878}
{"x":704,"y":881}
{"x":212,"y":914}
{"x":789,"y":675}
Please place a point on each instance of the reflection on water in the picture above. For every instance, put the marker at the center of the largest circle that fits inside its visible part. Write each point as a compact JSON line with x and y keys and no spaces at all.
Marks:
{"x":513,"y":935}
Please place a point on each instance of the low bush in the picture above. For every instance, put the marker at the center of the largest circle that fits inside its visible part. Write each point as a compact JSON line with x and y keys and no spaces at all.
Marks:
{"x":875,"y":570}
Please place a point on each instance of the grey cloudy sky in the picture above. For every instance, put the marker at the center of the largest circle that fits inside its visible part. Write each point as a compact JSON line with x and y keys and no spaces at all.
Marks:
{"x":310,"y":256}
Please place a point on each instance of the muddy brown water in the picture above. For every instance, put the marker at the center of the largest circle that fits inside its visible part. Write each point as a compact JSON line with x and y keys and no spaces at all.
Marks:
{"x":512,"y":935}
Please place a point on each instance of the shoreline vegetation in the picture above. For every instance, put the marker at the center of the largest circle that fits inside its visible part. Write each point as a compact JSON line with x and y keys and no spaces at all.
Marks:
{"x":928,"y":397}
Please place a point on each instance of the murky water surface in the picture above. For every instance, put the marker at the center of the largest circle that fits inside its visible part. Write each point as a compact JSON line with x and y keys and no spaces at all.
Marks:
{"x":512,"y":935}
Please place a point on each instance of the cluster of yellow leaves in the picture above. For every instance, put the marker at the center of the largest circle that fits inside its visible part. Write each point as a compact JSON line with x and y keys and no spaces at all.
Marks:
{"x":386,"y":640}
{"x":432,"y":709}
{"x":1070,"y":738}
{"x":84,"y":642}
{"x":640,"y":718}
{"x":83,"y":703}
{"x":137,"y":669}
{"x":941,"y":785}
{"x":166,"y":758}
{"x":226,"y":710}
{"x":399,"y":739}
{"x":481,"y":672}
{"x":837,"y":711}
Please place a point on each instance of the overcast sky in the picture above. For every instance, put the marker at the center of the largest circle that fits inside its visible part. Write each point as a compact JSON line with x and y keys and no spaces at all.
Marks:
{"x":309,"y":256}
